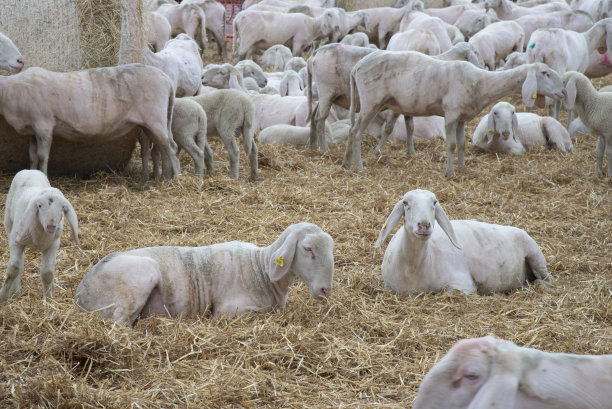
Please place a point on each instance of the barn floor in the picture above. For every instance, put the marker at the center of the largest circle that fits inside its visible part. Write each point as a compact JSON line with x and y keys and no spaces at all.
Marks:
{"x":364,"y":346}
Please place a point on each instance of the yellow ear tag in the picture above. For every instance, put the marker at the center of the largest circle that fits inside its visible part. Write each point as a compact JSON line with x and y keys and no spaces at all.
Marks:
{"x":384,"y":225}
{"x":490,"y":130}
{"x":534,"y":95}
{"x":279,"y":261}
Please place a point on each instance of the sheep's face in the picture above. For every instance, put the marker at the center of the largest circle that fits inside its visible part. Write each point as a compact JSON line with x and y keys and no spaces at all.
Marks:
{"x":420,"y":213}
{"x":502,"y":120}
{"x":257,"y":75}
{"x":313,"y":263}
{"x":10,"y":58}
{"x":50,"y":210}
{"x":217,"y":77}
{"x":549,"y":83}
{"x":489,"y":4}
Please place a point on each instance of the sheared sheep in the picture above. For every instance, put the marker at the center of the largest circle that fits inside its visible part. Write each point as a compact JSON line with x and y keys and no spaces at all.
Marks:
{"x":275,"y":57}
{"x":464,"y":255}
{"x":10,"y":57}
{"x":289,"y":135}
{"x":225,"y":278}
{"x":505,"y":131}
{"x":493,"y":373}
{"x":33,"y":218}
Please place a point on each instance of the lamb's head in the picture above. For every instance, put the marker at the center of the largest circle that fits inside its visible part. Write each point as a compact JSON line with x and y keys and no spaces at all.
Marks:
{"x":502,"y":121}
{"x":222,"y":77}
{"x":494,"y":4}
{"x":295,"y":64}
{"x":540,"y":81}
{"x":250,"y":69}
{"x":474,"y":373}
{"x":306,"y":251}
{"x":10,"y":57}
{"x":420,"y":210}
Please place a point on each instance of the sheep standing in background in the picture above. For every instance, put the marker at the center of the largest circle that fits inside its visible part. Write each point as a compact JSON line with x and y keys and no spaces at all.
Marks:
{"x":594,"y":109}
{"x":357,"y":39}
{"x":10,"y":57}
{"x":506,"y":10}
{"x":228,"y":113}
{"x":493,"y":373}
{"x":159,"y":31}
{"x":505,"y":131}
{"x":215,"y":22}
{"x":226,"y":278}
{"x":33,"y":218}
{"x":415,"y":39}
{"x":186,"y":18}
{"x":465,"y":255}
{"x":497,"y":40}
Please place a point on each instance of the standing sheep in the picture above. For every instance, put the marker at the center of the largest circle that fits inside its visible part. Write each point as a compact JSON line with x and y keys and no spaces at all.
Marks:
{"x":465,"y":255}
{"x":229,"y":112}
{"x":497,"y":40}
{"x":33,"y":218}
{"x":226,"y":278}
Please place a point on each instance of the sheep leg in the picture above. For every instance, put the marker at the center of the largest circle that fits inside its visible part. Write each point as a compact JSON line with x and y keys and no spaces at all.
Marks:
{"x":156,"y":156}
{"x":170,"y":164}
{"x":409,"y":121}
{"x":317,"y":141}
{"x":608,"y":144}
{"x":44,"y":137}
{"x":352,"y":154}
{"x":451,"y":144}
{"x":208,"y":159}
{"x":47,"y":269}
{"x":253,"y":161}
{"x":32,"y":153}
{"x":599,"y":152}
{"x":234,"y":154}
{"x":460,"y":143}
{"x":197,"y":154}
{"x":387,"y":128}
{"x":144,"y":154}
{"x":12,"y":282}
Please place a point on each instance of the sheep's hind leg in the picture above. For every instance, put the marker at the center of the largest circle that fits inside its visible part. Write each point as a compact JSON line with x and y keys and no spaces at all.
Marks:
{"x":460,"y":143}
{"x":451,"y":144}
{"x":409,"y":121}
{"x":387,"y":128}
{"x":599,"y":151}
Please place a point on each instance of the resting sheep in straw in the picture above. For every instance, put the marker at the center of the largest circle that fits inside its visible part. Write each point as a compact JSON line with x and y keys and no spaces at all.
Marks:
{"x":465,"y":255}
{"x":487,"y":372}
{"x":226,"y":278}
{"x":33,"y":218}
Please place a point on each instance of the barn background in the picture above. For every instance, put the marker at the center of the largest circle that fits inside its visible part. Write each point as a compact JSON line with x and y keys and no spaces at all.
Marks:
{"x":364,"y":346}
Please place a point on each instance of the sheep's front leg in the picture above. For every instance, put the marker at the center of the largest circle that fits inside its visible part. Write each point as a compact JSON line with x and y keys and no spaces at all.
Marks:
{"x":599,"y":151}
{"x":32,"y":153}
{"x":144,"y":154}
{"x":409,"y":121}
{"x":317,"y":126}
{"x":253,"y":161}
{"x":47,"y":270}
{"x":451,"y":144}
{"x":12,"y":282}
{"x":460,"y":143}
{"x":44,"y":135}
{"x":608,"y":150}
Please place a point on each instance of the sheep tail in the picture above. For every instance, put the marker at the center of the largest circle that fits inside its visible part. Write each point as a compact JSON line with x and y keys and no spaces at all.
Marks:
{"x":353,"y":106}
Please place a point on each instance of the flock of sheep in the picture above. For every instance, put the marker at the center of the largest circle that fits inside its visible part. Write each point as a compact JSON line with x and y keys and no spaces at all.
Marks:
{"x":343,"y":90}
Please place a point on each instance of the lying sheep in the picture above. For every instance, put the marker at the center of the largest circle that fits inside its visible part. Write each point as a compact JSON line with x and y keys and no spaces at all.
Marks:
{"x":593,"y":108}
{"x":229,"y":112}
{"x":295,"y":64}
{"x":505,"y":131}
{"x":275,"y":57}
{"x":291,"y":84}
{"x":10,"y":57}
{"x":493,"y":373}
{"x":33,"y":218}
{"x":289,"y":135}
{"x":225,"y":278}
{"x":471,"y":256}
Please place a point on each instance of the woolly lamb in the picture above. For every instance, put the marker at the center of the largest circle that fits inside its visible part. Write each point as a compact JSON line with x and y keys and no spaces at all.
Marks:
{"x":493,"y":373}
{"x":33,"y":218}
{"x":250,"y":69}
{"x":225,"y":278}
{"x":593,"y":108}
{"x":465,"y":255}
{"x":222,"y":77}
{"x":229,"y":112}
{"x":10,"y":57}
{"x":505,"y":131}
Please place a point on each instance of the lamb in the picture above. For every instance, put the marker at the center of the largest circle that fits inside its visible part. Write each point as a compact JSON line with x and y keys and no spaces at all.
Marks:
{"x":223,"y":77}
{"x":180,"y":60}
{"x":593,"y":108}
{"x":515,"y":59}
{"x":419,"y":258}
{"x":489,"y":372}
{"x":228,"y":112}
{"x":33,"y":218}
{"x":289,"y":135}
{"x":250,"y":69}
{"x":505,"y":10}
{"x":291,"y":84}
{"x":461,"y":92}
{"x":275,"y":57}
{"x":421,"y":40}
{"x":295,"y":64}
{"x":420,"y":20}
{"x":497,"y":40}
{"x":381,"y":21}
{"x":10,"y":57}
{"x":505,"y":131}
{"x":358,"y":39}
{"x":229,"y":278}
{"x":94,"y":105}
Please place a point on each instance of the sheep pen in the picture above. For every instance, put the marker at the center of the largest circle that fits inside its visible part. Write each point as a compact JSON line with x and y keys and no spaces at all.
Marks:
{"x":364,"y":346}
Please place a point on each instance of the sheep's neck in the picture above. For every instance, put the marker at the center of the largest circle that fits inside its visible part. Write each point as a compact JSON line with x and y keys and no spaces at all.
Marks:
{"x":280,"y":288}
{"x":595,"y":37}
{"x":417,"y":253}
{"x":499,"y":84}
{"x":586,"y":100}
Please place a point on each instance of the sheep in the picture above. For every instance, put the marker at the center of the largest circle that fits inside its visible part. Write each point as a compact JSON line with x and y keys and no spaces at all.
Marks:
{"x":358,"y":39}
{"x":578,"y":21}
{"x":505,"y":131}
{"x":576,"y":126}
{"x":250,"y":84}
{"x":215,"y":22}
{"x":505,"y":10}
{"x":94,"y":105}
{"x":291,"y":84}
{"x":10,"y":57}
{"x":593,"y":108}
{"x":229,"y":278}
{"x":275,"y":57}
{"x":494,"y":373}
{"x":461,"y":91}
{"x":275,"y":110}
{"x":452,"y":14}
{"x":33,"y":218}
{"x":159,"y":31}
{"x":295,"y":64}
{"x":380,"y":21}
{"x":477,"y":257}
{"x":288,"y":135}
{"x":472,"y":21}
{"x":250,"y":69}
{"x":186,"y":18}
{"x":420,"y":20}
{"x":421,"y":40}
{"x":222,"y":77}
{"x":515,"y":59}
{"x":228,"y":112}
{"x":180,"y":60}
{"x":497,"y":40}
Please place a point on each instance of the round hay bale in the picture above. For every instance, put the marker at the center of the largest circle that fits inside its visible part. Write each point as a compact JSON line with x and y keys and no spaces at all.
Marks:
{"x":86,"y":34}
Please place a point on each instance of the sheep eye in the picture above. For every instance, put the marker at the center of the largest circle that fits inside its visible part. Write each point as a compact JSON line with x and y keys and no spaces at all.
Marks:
{"x":39,"y":206}
{"x":435,"y":202}
{"x":471,"y":376}
{"x":307,"y":248}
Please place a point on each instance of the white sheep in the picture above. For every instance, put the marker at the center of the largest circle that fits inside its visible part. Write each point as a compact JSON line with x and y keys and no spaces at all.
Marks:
{"x":415,"y":84}
{"x":33,"y":219}
{"x":358,"y":39}
{"x":230,"y":112}
{"x":223,"y":76}
{"x":577,"y":126}
{"x":159,"y":30}
{"x":464,"y":255}
{"x":497,"y":40}
{"x":415,"y":39}
{"x":91,"y":106}
{"x":289,"y":135}
{"x":291,"y":84}
{"x":472,"y":21}
{"x":382,"y":21}
{"x":515,"y":59}
{"x":295,"y":64}
{"x":506,"y":10}
{"x":421,"y":20}
{"x":275,"y":57}
{"x":180,"y":60}
{"x":493,"y":373}
{"x":225,"y":278}
{"x":505,"y":131}
{"x":215,"y":22}
{"x":593,"y":108}
{"x":186,"y":18}
{"x":10,"y":57}
{"x":578,"y":21}
{"x":250,"y":69}
{"x":275,"y":110}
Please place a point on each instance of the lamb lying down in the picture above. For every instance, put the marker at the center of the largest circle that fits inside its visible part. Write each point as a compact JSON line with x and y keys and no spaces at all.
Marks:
{"x":493,"y":373}
{"x":226,"y":278}
{"x":300,"y":135}
{"x":505,"y":131}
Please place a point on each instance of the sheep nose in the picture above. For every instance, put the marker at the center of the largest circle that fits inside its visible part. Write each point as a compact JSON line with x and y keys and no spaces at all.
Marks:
{"x":506,"y":134}
{"x":424,"y":227}
{"x":50,"y":228}
{"x":325,"y":291}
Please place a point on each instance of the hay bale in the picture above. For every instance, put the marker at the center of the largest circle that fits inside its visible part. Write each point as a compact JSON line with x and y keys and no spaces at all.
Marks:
{"x":68,"y":35}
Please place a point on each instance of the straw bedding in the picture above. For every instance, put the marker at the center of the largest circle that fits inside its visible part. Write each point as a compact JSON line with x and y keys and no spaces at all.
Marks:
{"x":364,"y":346}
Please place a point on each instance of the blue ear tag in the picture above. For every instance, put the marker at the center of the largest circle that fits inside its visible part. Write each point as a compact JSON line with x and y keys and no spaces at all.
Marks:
{"x":532,"y":45}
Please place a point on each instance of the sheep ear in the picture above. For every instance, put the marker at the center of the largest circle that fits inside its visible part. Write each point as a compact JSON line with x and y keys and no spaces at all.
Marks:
{"x":28,"y":219}
{"x":499,"y":391}
{"x":514,"y":125}
{"x":446,"y":225}
{"x":570,"y":94}
{"x":281,"y":259}
{"x":235,"y":81}
{"x":490,"y":126}
{"x":72,"y":221}
{"x":283,"y":88}
{"x":530,"y":88}
{"x":392,"y":220}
